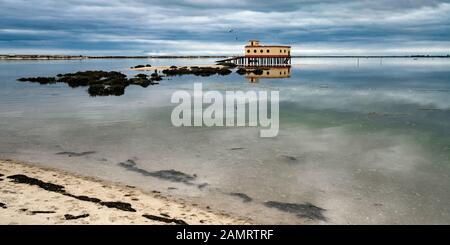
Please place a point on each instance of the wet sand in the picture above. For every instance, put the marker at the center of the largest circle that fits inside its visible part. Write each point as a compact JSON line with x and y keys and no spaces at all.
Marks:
{"x":37,"y":195}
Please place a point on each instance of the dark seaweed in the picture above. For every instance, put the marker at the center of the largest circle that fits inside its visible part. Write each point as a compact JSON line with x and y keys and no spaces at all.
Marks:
{"x":197,"y":71}
{"x":100,"y":83}
{"x":72,"y":217}
{"x":243,"y":196}
{"x":290,"y":158}
{"x":119,"y":205}
{"x":203,"y":185}
{"x":23,"y":179}
{"x":42,"y":212}
{"x":237,"y":148}
{"x":302,"y":210}
{"x":164,"y":219}
{"x":84,"y":198}
{"x":75,"y":154}
{"x":171,"y":175}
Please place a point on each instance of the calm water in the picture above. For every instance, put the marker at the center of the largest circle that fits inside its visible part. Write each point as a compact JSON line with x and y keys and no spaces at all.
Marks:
{"x":367,"y":140}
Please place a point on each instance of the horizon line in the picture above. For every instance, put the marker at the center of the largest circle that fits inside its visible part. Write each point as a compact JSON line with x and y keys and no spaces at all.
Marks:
{"x":62,"y":56}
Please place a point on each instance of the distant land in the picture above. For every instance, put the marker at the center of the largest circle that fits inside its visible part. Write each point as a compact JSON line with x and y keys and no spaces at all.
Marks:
{"x":82,"y":57}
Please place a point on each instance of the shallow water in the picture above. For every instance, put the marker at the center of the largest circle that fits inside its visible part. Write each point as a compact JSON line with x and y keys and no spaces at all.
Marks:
{"x":366,"y":140}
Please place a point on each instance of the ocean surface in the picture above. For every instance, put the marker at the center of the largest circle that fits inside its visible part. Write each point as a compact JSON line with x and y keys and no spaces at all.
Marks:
{"x":361,"y":141}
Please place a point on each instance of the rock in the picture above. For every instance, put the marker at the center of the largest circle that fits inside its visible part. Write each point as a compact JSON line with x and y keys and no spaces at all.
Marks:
{"x":2,"y":205}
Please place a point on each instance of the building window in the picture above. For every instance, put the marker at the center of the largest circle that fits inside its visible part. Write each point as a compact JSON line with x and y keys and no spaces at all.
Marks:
{"x":248,"y":51}
{"x":254,"y":51}
{"x":261,"y":51}
{"x":281,"y":51}
{"x":285,"y":50}
{"x":268,"y":73}
{"x":268,"y":51}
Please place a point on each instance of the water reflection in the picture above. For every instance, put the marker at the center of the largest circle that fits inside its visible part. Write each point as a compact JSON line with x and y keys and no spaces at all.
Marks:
{"x":269,"y":72}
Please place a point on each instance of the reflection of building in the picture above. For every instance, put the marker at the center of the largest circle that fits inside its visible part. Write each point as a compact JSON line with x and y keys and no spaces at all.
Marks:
{"x":269,"y":72}
{"x":262,"y":55}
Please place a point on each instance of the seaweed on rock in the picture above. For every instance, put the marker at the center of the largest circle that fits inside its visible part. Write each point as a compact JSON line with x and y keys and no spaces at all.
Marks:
{"x":197,"y":71}
{"x":100,"y":83}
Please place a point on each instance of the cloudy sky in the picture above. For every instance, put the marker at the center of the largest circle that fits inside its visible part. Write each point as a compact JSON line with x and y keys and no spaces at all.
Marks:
{"x":216,"y":27}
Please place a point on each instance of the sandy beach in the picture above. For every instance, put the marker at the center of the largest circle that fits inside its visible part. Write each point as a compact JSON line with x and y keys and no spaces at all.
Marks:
{"x":35,"y":195}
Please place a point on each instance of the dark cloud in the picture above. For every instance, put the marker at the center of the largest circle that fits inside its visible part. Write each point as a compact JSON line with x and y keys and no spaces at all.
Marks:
{"x":221,"y":27}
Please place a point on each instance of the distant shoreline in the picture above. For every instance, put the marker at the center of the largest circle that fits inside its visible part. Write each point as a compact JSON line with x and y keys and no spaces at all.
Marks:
{"x":82,"y":57}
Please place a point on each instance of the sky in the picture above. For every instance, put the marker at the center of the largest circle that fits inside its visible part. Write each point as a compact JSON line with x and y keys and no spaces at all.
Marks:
{"x":222,"y":27}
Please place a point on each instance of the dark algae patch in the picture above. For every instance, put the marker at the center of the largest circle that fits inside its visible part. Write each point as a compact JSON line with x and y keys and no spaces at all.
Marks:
{"x":99,"y":83}
{"x":75,"y":154}
{"x":290,"y":158}
{"x":197,"y":71}
{"x":23,"y":179}
{"x":302,"y":210}
{"x":40,"y":80}
{"x":171,"y":175}
{"x":84,"y":198}
{"x":72,"y":217}
{"x":243,"y":196}
{"x":41,"y":212}
{"x":165,"y":219}
{"x":119,"y":205}
{"x":237,"y":148}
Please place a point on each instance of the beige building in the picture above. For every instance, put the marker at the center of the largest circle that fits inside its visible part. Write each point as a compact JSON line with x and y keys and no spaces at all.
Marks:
{"x":255,"y":50}
{"x":256,"y":54}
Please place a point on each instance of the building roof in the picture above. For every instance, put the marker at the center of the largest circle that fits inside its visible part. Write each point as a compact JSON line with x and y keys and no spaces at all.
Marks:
{"x":267,"y":46}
